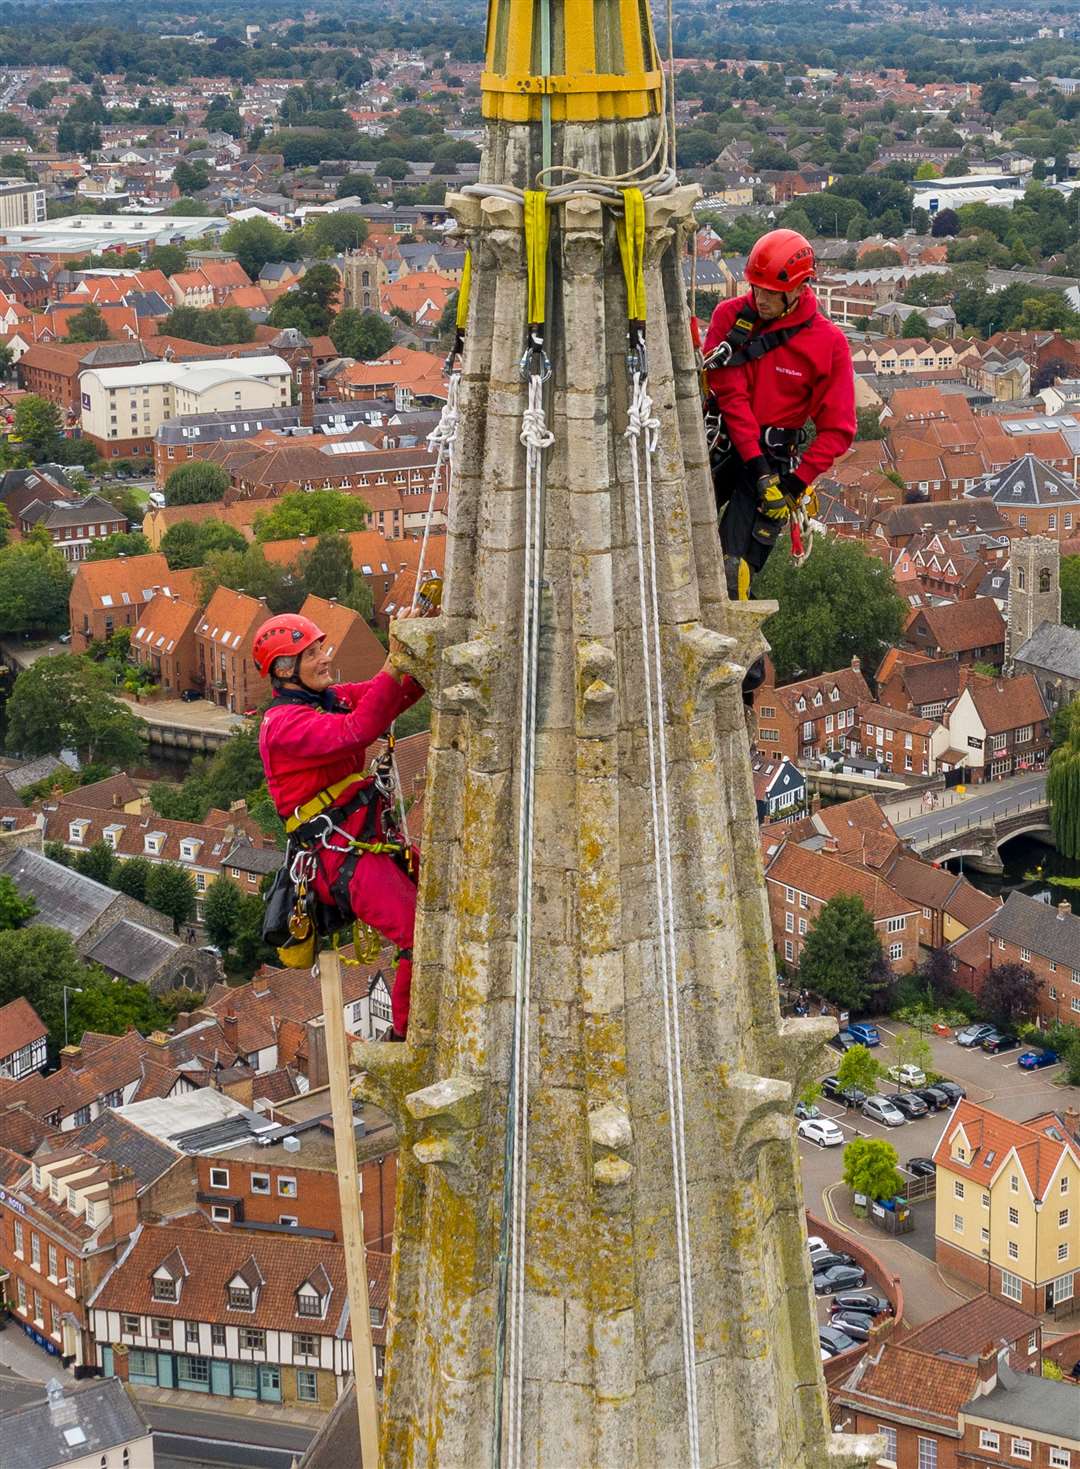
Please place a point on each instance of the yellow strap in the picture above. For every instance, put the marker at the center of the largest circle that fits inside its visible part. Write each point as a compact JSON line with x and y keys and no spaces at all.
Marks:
{"x":463,"y":292}
{"x":320,"y":802}
{"x":631,"y":233}
{"x":536,"y":244}
{"x":591,"y":82}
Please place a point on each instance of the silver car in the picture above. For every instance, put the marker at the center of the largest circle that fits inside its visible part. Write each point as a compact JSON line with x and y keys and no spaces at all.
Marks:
{"x":880,"y":1109}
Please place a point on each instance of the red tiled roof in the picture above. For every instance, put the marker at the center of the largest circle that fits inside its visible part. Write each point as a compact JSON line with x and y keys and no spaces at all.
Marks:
{"x":1009,"y":703}
{"x":968,"y":1328}
{"x":20,"y":1025}
{"x":918,"y":1384}
{"x":958,"y":627}
{"x":989,"y":1133}
{"x":824,"y":877}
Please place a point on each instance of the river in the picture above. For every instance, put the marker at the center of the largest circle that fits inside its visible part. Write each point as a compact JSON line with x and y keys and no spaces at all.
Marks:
{"x":1024,"y":856}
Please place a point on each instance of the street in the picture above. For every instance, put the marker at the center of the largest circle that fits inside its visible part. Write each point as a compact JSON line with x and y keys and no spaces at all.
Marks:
{"x":994,"y":1080}
{"x":983,"y":802}
{"x":189,"y":1437}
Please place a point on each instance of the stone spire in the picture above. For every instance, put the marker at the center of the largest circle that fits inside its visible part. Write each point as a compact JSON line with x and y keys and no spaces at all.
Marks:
{"x":603,"y":1347}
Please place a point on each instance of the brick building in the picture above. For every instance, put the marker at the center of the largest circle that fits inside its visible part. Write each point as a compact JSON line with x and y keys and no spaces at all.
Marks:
{"x":355,"y":653}
{"x":106,"y":595}
{"x":164,"y":643}
{"x":1036,"y":498}
{"x":898,"y":741}
{"x":223,"y":639}
{"x":1047,"y":941}
{"x":73,"y":525}
{"x":1005,"y":1206}
{"x":808,"y":718}
{"x":999,"y":726}
{"x":971,"y":631}
{"x":917,"y":684}
{"x":23,"y":1039}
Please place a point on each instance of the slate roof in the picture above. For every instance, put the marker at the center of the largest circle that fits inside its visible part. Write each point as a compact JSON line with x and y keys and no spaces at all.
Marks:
{"x":1030,"y":482}
{"x":1044,"y":930}
{"x":337,"y":1440}
{"x":72,"y":1422}
{"x":31,"y":771}
{"x":1024,"y":1401}
{"x":55,"y":514}
{"x":119,"y":1141}
{"x":65,"y":899}
{"x":132,"y":951}
{"x":260,"y":860}
{"x":1053,"y":648}
{"x":907,"y":520}
{"x":966,"y":1329}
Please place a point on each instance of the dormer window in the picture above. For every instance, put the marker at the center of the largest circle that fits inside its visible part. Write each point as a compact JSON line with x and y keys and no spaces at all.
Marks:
{"x":834,"y":696}
{"x":77,"y":829}
{"x":167,"y":1280}
{"x":801,"y":704}
{"x":308,"y":1303}
{"x":189,"y":849}
{"x":240,"y":1298}
{"x":817,"y":700}
{"x":165,"y":1290}
{"x":37,"y":1175}
{"x":112,"y":835}
{"x":153,"y":843}
{"x":313,"y":1294}
{"x":243,"y":1288}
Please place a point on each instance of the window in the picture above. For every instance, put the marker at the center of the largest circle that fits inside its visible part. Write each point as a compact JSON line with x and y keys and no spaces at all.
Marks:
{"x":70,"y":1286}
{"x":804,"y":901}
{"x":305,"y":1344}
{"x":927,"y":1453}
{"x":192,"y":1369}
{"x":986,"y":1201}
{"x":988,"y":1439}
{"x":54,"y":1263}
{"x":309,"y":1303}
{"x":1025,"y":955}
{"x":803,"y":926}
{"x":221,"y":1213}
{"x":1011,"y":1286}
{"x":129,"y":1325}
{"x":958,"y":1223}
{"x":20,"y":1240}
{"x":240,"y":1298}
{"x":191,"y":1333}
{"x":219,"y":1178}
{"x":1033,"y":1343}
{"x":789,"y":949}
{"x":1059,"y":1458}
{"x":1014,"y":1184}
{"x":789,"y":923}
{"x":896,"y":925}
{"x":1063,"y":1218}
{"x":35,"y":1250}
{"x":1014,"y":1250}
{"x":290,"y":1219}
{"x":286,"y":1188}
{"x":161,"y":1328}
{"x":307,"y":1386}
{"x":889,"y":1435}
{"x":164,"y":1290}
{"x":1065,"y":1185}
{"x":252,"y":1339}
{"x":1063,"y":1252}
{"x":958,"y":1188}
{"x":260,"y":1183}
{"x":896,"y":951}
{"x":217,"y":1334}
{"x":1014,"y":1214}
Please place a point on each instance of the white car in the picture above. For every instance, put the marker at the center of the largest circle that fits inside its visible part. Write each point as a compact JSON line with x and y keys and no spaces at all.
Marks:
{"x":822,"y":1131}
{"x":907,"y":1075}
{"x":815,"y":1242}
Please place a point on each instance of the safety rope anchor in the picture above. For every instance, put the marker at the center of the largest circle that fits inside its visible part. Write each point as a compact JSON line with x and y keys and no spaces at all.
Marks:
{"x":534,"y":360}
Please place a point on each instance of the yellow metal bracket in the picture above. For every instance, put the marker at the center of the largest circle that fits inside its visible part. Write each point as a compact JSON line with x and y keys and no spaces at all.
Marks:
{"x":524,"y":84}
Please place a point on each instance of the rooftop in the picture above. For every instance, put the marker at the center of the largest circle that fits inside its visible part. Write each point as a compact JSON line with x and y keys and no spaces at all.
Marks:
{"x":71,"y":1422}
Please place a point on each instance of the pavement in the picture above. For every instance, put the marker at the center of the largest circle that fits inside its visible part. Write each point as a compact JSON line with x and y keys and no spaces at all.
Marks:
{"x":994,"y":1080}
{"x":200,"y":714}
{"x":979,"y":804}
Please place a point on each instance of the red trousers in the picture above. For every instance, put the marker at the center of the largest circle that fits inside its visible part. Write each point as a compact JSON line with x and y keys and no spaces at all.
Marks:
{"x":383,"y":896}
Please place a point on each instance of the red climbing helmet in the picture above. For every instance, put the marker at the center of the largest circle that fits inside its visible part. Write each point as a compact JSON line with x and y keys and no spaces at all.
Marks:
{"x":780,"y":261}
{"x":283,"y":636}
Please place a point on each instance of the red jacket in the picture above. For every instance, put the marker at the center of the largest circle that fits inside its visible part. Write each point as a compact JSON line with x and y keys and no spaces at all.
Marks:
{"x":810,"y":377}
{"x":304,"y":748}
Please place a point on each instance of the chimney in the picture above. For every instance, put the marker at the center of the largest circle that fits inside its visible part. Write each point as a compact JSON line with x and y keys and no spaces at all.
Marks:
{"x":856,"y":664}
{"x":230,"y":1027}
{"x":121,"y":1365}
{"x":1071,"y":1119}
{"x":831,"y":843}
{"x":1064,"y":909}
{"x":307,"y":393}
{"x":70,"y":1058}
{"x":123,"y":1205}
{"x":986,"y":1368}
{"x":183,"y":1020}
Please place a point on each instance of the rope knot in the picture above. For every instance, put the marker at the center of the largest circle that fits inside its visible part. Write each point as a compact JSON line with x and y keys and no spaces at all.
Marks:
{"x":640,"y":419}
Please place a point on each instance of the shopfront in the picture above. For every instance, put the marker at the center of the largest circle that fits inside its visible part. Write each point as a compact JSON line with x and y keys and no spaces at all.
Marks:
{"x":260,"y":1381}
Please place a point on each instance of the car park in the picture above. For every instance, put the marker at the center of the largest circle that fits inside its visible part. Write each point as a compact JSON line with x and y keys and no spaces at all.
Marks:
{"x":843,"y":1040}
{"x":1000,"y":1041}
{"x":1036,"y":1060}
{"x":834,"y":1340}
{"x":830,"y":1087}
{"x":907,"y":1075}
{"x":952,"y":1089}
{"x":936,"y":1100}
{"x":826,"y":1259}
{"x":864,"y":1301}
{"x":852,"y":1323}
{"x":848,"y":1096}
{"x":864,"y":1034}
{"x":910,"y":1104}
{"x":837,"y":1278}
{"x":805,"y":1110}
{"x":921,"y":1167}
{"x":880,"y":1109}
{"x":973,"y":1035}
{"x":822,"y":1131}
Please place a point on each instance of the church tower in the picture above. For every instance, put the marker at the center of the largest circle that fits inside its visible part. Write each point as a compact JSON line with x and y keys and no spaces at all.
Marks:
{"x":1034,"y":591}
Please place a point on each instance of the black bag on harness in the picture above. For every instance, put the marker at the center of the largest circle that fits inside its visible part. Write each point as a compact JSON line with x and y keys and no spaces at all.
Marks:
{"x":279,"y":905}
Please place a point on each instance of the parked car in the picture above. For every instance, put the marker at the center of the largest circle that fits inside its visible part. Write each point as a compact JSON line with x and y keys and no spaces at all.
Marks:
{"x":952,"y":1089}
{"x":843,"y":1040}
{"x":852,"y":1097}
{"x":826,"y":1259}
{"x":830,"y":1087}
{"x":837,"y":1278}
{"x":936,"y":1100}
{"x":910,"y":1104}
{"x":815,"y":1242}
{"x":834,"y":1340}
{"x":973,"y":1035}
{"x":805,"y":1110}
{"x":864,"y":1301}
{"x":190,"y":696}
{"x":852,"y":1323}
{"x":922,"y":1167}
{"x":1036,"y":1060}
{"x":821,"y":1130}
{"x":907,"y":1075}
{"x":864,"y":1034}
{"x":880,"y":1109}
{"x":1000,"y":1041}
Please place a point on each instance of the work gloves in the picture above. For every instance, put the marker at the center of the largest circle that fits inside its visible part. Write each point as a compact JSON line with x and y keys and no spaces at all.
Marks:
{"x":777,"y":494}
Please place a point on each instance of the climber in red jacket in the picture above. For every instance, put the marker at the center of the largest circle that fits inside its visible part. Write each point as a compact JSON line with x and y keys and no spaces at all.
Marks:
{"x":314,"y":739}
{"x":773,"y":363}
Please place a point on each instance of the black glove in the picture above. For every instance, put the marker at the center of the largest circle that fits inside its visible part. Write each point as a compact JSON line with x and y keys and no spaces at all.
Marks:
{"x":793,"y":486}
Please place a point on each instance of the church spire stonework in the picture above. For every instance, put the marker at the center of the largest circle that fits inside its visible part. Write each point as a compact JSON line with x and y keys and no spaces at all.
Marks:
{"x":611,"y":1249}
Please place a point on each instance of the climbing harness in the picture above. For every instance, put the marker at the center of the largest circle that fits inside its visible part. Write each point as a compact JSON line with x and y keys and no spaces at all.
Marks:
{"x":642,"y":435}
{"x":536,"y":439}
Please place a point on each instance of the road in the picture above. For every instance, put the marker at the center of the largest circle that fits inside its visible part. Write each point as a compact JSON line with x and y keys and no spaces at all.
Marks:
{"x":994,"y":1080}
{"x":982,"y":803}
{"x":184,"y":1437}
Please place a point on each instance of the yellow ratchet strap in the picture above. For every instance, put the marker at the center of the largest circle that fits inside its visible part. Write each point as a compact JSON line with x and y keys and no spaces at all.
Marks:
{"x":463,"y":292}
{"x":536,"y":246}
{"x":631,"y":232}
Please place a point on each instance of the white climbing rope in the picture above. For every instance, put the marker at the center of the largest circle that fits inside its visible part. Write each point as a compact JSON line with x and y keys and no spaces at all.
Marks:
{"x":641,"y":433}
{"x":441,"y":442}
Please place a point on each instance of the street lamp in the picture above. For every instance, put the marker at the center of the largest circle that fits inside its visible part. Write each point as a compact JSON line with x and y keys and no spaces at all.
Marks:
{"x":72,"y":989}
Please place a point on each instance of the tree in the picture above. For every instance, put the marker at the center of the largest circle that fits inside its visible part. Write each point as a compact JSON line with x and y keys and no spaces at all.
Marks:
{"x":63,"y":702}
{"x":110,"y":1006}
{"x":311,"y":513}
{"x":928,"y":170}
{"x":191,"y":178}
{"x":840,"y":952}
{"x":913,"y":1049}
{"x":938,"y":971}
{"x":251,"y":572}
{"x":187,"y":543}
{"x":332,"y":234}
{"x":307,"y":305}
{"x":841,"y":603}
{"x":362,"y":334}
{"x":868,"y":424}
{"x":257,"y":242}
{"x":15,"y":910}
{"x":327,"y":568}
{"x":35,"y":583}
{"x":196,"y":483}
{"x":221,"y":913}
{"x":171,"y":891}
{"x":1070,"y":590}
{"x":36,"y":962}
{"x":859,"y":1068}
{"x":1010,"y":993}
{"x":37,"y":425}
{"x":916,"y":325}
{"x":1062,"y":783}
{"x":215,"y":326}
{"x":7,"y":360}
{"x":97,"y":862}
{"x":357,"y":186}
{"x":121,"y":543}
{"x":169,"y":259}
{"x":132,"y":876}
{"x":87,"y":325}
{"x":870,"y":1168}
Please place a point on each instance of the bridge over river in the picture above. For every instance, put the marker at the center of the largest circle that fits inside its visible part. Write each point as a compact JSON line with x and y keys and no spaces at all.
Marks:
{"x":976,"y":826}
